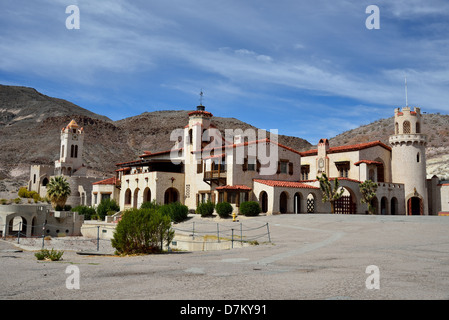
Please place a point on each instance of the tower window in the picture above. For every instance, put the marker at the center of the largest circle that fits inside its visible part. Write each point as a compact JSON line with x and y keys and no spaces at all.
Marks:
{"x":417,"y":157}
{"x":396,"y":128}
{"x":76,"y":151}
{"x":72,"y":151}
{"x":406,"y":127}
{"x":418,"y":128}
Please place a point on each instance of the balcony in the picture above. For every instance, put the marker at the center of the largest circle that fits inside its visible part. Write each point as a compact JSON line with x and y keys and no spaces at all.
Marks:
{"x":215,"y":176}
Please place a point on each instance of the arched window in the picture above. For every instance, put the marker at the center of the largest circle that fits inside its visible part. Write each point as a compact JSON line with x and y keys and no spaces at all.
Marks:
{"x":76,"y":151}
{"x":418,"y":128}
{"x":406,"y":127}
{"x":396,"y":128}
{"x":127,"y":197}
{"x":72,"y":151}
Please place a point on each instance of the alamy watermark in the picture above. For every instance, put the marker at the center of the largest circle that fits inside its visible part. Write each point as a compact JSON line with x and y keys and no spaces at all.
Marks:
{"x":73,"y":20}
{"x":73,"y":280}
{"x":373,"y":280}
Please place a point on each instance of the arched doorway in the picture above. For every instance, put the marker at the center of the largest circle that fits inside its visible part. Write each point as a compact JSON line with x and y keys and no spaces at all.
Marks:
{"x":135,"y":198}
{"x":346,"y":203}
{"x":34,"y":227}
{"x":171,"y":195}
{"x":146,"y":195}
{"x":384,"y":206}
{"x":414,"y":206}
{"x":263,"y":200}
{"x":283,"y":202}
{"x":394,"y":206}
{"x":127,"y":197}
{"x":16,"y":225}
{"x":310,"y":203}
{"x":375,"y":205}
{"x":297,"y":203}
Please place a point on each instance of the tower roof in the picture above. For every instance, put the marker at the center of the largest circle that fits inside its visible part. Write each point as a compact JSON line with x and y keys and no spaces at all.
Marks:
{"x":72,"y":125}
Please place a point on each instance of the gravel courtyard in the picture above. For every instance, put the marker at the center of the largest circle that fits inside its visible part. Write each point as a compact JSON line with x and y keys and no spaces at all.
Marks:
{"x":310,"y":257}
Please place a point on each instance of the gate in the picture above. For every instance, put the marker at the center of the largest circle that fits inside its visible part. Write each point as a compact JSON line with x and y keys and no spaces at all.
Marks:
{"x":345,"y":205}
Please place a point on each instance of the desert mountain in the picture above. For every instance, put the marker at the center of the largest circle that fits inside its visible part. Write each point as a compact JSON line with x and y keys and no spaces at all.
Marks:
{"x":30,"y":124}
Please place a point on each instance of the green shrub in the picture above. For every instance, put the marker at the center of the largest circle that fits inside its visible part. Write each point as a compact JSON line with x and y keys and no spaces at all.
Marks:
{"x":87,"y":212}
{"x":58,"y":207}
{"x":17,"y":200}
{"x":176,"y":211}
{"x":52,"y":255}
{"x":250,"y":208}
{"x":205,"y":209}
{"x":105,"y":206}
{"x":224,"y":209}
{"x":23,"y":192}
{"x":142,"y":231}
{"x":3,"y":201}
{"x":150,"y":205}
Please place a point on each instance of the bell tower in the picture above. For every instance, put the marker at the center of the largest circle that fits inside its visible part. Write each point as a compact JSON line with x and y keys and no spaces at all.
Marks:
{"x":71,"y":152}
{"x":408,"y":159}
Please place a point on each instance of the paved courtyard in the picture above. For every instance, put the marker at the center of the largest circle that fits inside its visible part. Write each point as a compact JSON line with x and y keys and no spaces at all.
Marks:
{"x":311,"y":257}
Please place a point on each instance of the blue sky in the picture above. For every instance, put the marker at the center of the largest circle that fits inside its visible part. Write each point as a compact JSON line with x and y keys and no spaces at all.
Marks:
{"x":310,"y":69}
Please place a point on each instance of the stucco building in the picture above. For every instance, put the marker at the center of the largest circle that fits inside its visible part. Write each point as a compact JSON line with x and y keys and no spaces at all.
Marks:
{"x":203,"y":165}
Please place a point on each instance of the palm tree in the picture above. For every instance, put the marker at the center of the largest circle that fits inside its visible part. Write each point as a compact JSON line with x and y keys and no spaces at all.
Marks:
{"x":330,"y":193}
{"x":58,"y":190}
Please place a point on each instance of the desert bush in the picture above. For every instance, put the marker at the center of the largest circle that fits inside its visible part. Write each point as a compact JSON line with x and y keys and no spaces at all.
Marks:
{"x":150,"y":205}
{"x":53,"y":255}
{"x":17,"y":200}
{"x":87,"y":212}
{"x":205,"y":209}
{"x":250,"y":208}
{"x":105,"y":206}
{"x":142,"y":231}
{"x":176,"y":211}
{"x":224,"y":209}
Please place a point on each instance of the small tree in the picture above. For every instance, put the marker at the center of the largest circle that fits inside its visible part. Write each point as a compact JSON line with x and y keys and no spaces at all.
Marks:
{"x":105,"y":206}
{"x":250,"y":208}
{"x":205,"y":209}
{"x":330,"y":193}
{"x":224,"y":209}
{"x":58,"y":190}
{"x":368,"y":190}
{"x":142,"y":231}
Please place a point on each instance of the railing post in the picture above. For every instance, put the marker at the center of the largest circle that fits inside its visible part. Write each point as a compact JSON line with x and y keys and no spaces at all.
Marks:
{"x":232,"y":238}
{"x":98,"y":238}
{"x":268,"y":230}
{"x":193,"y":231}
{"x":18,"y":233}
{"x":218,"y":233}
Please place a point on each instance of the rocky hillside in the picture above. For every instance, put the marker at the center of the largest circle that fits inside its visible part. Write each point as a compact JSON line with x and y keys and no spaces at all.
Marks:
{"x":30,"y":123}
{"x":435,"y":126}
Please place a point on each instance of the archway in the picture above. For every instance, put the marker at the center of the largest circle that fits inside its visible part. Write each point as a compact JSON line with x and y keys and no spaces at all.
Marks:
{"x":283,"y":202}
{"x":346,"y":203}
{"x":171,"y":195}
{"x":45,"y":182}
{"x":136,"y":197}
{"x":34,"y":227}
{"x":310,"y":203}
{"x":16,"y":225}
{"x":128,"y":197}
{"x":146,"y":195}
{"x":263,"y":200}
{"x":414,"y":206}
{"x":394,"y":206}
{"x":384,"y":206}
{"x":297,"y":203}
{"x":375,"y":205}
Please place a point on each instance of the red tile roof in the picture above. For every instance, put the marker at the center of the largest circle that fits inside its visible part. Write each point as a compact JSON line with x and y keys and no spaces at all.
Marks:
{"x":236,"y":187}
{"x":285,"y":184}
{"x":107,"y":181}
{"x":377,"y":163}
{"x":354,"y":147}
{"x":200,"y":112}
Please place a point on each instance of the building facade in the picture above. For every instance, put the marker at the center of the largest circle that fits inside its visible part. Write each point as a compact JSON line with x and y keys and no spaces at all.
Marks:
{"x":202,"y":166}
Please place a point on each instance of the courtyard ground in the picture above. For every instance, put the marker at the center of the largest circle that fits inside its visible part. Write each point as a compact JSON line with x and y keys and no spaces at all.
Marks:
{"x":311,"y":257}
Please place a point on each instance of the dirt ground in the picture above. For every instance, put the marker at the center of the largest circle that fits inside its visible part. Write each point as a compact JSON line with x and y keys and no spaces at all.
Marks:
{"x":311,"y":257}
